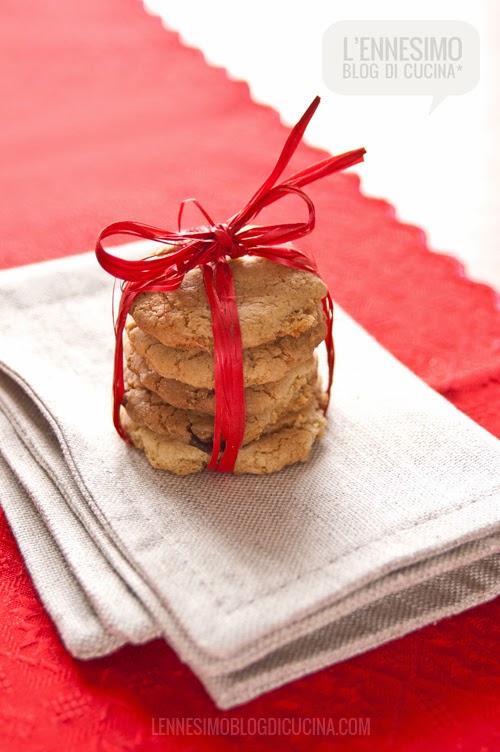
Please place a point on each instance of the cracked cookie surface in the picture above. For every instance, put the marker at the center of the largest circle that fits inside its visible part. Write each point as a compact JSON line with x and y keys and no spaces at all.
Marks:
{"x":267,"y":454}
{"x":148,"y":409}
{"x":261,"y":364}
{"x":273,"y":301}
{"x":258,"y":399}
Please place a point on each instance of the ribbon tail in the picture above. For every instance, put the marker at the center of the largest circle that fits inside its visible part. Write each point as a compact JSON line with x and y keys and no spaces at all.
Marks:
{"x":230,"y":412}
{"x":325,"y":167}
{"x":293,"y":140}
{"x":118,"y":378}
{"x":330,"y":347}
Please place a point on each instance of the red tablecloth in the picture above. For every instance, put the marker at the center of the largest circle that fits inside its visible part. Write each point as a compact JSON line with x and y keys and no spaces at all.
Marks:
{"x":106,"y":116}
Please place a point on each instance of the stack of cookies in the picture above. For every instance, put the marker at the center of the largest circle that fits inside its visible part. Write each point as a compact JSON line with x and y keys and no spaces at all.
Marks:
{"x":169,"y":402}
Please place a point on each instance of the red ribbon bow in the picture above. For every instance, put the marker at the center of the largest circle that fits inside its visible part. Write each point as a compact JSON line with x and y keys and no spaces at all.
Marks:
{"x":209,"y":249}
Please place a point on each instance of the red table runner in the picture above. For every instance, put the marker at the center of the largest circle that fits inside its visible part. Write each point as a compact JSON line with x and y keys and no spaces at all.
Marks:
{"x":107,"y":116}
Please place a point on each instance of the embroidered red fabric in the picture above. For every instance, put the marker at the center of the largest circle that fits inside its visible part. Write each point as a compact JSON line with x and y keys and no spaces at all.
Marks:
{"x":101,"y":113}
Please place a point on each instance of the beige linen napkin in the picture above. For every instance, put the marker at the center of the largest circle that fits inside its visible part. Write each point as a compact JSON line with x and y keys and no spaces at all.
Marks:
{"x":254,"y":581}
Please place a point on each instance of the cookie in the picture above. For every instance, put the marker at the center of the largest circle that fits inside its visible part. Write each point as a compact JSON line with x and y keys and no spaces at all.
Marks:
{"x":267,"y":454}
{"x":258,"y":399}
{"x":148,"y":409}
{"x":262,"y":364}
{"x":273,"y":301}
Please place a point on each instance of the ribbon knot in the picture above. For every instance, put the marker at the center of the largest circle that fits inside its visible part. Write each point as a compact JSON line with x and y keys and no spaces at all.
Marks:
{"x":207,"y":248}
{"x":225,"y":239}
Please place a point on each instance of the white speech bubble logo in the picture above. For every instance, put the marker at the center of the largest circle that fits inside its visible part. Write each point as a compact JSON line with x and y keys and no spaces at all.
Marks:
{"x":440,"y":58}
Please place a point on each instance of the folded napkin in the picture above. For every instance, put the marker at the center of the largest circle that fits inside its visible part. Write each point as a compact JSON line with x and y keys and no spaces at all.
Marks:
{"x":254,"y":581}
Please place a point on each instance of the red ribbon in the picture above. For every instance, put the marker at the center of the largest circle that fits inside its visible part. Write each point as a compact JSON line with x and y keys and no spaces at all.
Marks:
{"x":209,"y":248}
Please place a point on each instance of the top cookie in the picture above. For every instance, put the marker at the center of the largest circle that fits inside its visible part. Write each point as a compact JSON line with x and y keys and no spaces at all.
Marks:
{"x":273,"y":301}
